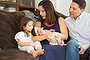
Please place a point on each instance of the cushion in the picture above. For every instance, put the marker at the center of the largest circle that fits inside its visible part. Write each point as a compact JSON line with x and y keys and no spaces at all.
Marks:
{"x":9,"y":23}
{"x":15,"y":54}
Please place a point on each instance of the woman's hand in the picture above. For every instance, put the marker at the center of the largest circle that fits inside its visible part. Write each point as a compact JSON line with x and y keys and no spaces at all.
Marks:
{"x":51,"y":37}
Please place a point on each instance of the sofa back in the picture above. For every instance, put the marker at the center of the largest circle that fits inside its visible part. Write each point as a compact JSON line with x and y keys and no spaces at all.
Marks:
{"x":9,"y":26}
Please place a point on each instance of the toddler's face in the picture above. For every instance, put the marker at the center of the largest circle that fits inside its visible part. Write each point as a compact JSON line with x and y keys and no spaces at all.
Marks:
{"x":29,"y":26}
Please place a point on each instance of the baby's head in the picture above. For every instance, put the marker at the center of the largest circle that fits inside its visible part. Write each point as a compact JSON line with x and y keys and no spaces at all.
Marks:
{"x":40,"y":31}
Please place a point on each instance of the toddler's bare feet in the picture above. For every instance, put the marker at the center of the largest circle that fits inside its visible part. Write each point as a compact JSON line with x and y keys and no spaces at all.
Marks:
{"x":34,"y":53}
{"x":40,"y":51}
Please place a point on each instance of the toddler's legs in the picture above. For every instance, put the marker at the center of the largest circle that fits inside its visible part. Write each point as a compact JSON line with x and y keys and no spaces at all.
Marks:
{"x":38,"y":48}
{"x":40,"y":51}
{"x":37,"y":52}
{"x":29,"y":50}
{"x":32,"y":51}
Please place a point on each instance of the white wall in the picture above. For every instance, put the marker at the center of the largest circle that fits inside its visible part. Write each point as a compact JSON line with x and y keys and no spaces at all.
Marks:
{"x":88,"y":6}
{"x":37,"y":2}
{"x":62,"y":6}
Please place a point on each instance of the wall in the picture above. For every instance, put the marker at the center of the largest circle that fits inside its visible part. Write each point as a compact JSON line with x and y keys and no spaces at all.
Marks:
{"x":36,"y":3}
{"x":87,"y":6}
{"x":62,"y":6}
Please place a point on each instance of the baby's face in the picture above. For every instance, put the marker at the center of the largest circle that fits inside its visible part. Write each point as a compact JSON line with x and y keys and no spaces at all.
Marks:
{"x":40,"y":31}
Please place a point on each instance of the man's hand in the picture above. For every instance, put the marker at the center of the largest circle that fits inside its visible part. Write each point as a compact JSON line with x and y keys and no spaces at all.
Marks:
{"x":82,"y":50}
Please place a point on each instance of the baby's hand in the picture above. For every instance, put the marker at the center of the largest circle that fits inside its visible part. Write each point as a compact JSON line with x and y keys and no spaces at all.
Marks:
{"x":62,"y":43}
{"x":59,"y":41}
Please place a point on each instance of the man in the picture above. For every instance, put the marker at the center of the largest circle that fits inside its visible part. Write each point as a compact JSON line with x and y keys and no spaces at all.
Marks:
{"x":79,"y":30}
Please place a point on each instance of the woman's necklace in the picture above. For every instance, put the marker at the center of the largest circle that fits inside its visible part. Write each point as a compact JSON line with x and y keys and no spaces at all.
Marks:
{"x":49,"y":25}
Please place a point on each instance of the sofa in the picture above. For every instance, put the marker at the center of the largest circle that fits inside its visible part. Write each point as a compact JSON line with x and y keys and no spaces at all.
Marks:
{"x":9,"y":26}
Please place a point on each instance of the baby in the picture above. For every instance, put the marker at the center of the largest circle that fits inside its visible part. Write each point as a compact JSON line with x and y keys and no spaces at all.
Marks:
{"x":55,"y":35}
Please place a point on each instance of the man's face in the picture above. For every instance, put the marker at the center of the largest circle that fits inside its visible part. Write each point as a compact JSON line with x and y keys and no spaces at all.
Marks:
{"x":74,"y":10}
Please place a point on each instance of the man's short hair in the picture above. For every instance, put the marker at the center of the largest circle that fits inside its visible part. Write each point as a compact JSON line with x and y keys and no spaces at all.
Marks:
{"x":81,"y":3}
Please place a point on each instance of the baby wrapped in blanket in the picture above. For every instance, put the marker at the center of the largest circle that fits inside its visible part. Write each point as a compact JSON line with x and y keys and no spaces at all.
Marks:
{"x":55,"y":35}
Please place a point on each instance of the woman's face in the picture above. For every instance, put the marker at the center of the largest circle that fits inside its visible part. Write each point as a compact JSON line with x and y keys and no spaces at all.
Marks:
{"x":42,"y":12}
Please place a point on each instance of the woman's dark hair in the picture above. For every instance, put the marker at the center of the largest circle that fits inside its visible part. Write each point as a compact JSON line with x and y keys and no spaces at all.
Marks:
{"x":81,"y":3}
{"x":50,"y":11}
{"x":24,"y":22}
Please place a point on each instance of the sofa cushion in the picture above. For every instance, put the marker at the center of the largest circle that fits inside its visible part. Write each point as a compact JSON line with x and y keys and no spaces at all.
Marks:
{"x":84,"y":57}
{"x":15,"y":54}
{"x":8,"y":27}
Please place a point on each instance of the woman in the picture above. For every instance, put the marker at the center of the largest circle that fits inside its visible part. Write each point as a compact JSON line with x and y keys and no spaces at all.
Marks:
{"x":50,"y":20}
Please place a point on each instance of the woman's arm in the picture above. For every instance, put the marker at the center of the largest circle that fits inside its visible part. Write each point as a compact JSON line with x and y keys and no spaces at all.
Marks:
{"x":64,"y":32}
{"x":41,"y":37}
{"x":63,"y":28}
